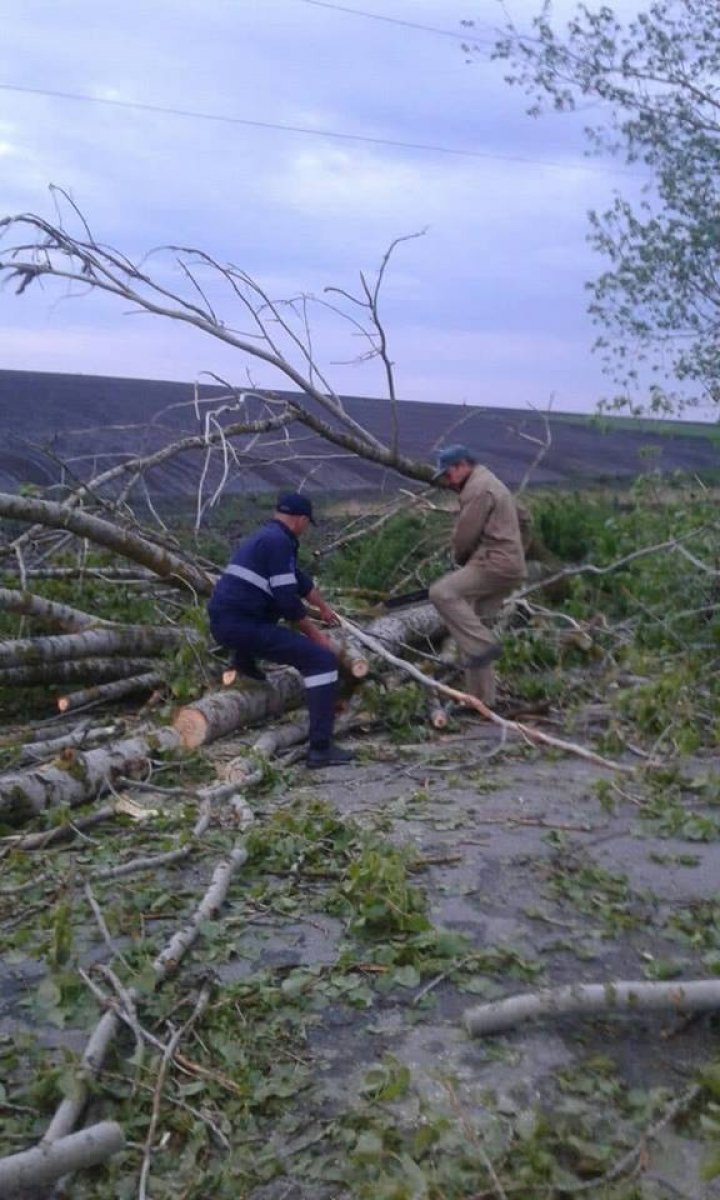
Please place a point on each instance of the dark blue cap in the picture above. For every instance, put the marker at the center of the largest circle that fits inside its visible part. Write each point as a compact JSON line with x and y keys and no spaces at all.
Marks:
{"x":450,"y":456}
{"x":295,"y":505}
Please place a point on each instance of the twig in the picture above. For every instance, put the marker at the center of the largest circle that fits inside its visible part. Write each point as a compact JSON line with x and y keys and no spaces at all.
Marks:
{"x":168,"y":1053}
{"x":629,"y":1161}
{"x":526,"y":731}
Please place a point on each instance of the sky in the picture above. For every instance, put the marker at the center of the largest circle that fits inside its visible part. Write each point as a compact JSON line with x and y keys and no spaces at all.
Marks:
{"x":487,"y":307}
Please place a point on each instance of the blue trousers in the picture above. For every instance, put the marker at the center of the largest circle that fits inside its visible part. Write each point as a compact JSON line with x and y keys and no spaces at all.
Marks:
{"x":276,"y":643}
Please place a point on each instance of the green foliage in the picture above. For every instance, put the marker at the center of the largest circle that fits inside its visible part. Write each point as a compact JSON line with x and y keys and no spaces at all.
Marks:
{"x":401,"y":710}
{"x":570,"y":524}
{"x":656,"y":76}
{"x":378,"y":896}
{"x":410,"y":544}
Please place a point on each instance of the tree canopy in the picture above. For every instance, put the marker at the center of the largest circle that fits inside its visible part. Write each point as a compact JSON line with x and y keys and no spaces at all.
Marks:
{"x":657,"y":78}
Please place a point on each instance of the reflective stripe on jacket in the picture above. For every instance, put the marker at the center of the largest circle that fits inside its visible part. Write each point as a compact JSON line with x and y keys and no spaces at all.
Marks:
{"x":263,"y":581}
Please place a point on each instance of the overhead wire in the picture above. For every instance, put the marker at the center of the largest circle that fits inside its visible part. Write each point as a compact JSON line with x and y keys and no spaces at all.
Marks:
{"x":195,"y":114}
{"x":459,"y":35}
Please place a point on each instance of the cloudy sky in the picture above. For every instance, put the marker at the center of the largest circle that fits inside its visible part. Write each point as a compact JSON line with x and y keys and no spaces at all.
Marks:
{"x":488,"y":307}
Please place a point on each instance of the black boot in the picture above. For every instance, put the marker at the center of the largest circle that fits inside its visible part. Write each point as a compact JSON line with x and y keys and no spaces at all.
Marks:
{"x":249,"y":668}
{"x":328,"y":756}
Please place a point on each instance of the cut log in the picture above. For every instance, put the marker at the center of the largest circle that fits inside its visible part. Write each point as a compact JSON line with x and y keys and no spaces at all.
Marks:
{"x":92,"y":643}
{"x":36,"y":1168}
{"x":221,"y":713}
{"x":92,"y":670}
{"x":437,"y":714}
{"x":580,"y":998}
{"x":107,"y":692}
{"x":82,"y":777}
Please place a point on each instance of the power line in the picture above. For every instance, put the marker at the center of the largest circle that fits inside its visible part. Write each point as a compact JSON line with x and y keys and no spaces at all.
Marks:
{"x":360,"y":12}
{"x":164,"y":110}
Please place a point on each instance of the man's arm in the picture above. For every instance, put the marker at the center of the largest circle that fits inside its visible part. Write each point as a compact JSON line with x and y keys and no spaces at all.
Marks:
{"x":469,"y":527}
{"x":318,"y":602}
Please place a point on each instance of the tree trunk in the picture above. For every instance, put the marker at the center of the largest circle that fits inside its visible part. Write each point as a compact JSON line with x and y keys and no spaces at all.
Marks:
{"x":80,"y":776}
{"x":104,"y":533}
{"x":223,"y":712}
{"x":75,"y":671}
{"x":36,"y":1168}
{"x":121,"y":639}
{"x":412,"y":625}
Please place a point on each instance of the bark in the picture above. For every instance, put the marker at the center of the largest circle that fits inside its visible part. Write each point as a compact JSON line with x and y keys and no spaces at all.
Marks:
{"x":130,"y":545}
{"x":106,"y":692}
{"x":223,"y":712}
{"x":412,"y":626}
{"x":124,"y":639}
{"x":31,"y":605}
{"x":81,"y":777}
{"x":74,"y":671}
{"x":45,"y":1163}
{"x":580,"y":998}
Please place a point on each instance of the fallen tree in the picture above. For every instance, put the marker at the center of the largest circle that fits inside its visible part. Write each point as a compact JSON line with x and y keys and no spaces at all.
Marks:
{"x":529,"y":732}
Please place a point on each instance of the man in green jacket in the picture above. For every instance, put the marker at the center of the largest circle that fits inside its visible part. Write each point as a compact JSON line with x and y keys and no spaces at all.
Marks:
{"x":488,"y":549}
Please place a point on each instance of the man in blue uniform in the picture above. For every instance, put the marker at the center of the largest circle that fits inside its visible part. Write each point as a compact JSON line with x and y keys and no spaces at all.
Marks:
{"x":262,"y":586}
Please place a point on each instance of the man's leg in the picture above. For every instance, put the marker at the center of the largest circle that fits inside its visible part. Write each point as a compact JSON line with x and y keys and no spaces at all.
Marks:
{"x":462,"y":598}
{"x":482,"y":681}
{"x":238,"y":636}
{"x":318,"y":668}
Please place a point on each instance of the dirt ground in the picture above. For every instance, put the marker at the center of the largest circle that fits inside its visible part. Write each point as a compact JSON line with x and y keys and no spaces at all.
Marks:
{"x":554,"y":879}
{"x":495,"y":825}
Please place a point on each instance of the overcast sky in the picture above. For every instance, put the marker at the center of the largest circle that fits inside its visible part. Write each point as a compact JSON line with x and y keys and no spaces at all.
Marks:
{"x":487,"y":308}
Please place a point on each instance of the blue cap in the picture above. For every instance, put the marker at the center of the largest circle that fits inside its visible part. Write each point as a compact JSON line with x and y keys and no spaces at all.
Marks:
{"x":295,"y":505}
{"x":450,"y":456}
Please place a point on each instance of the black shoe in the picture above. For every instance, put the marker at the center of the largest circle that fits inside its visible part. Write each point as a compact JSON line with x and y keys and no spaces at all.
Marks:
{"x":329,"y":756}
{"x":483,"y":660}
{"x":249,"y":668}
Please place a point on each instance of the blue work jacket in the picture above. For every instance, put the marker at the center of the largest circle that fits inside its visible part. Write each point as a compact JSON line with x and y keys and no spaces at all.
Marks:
{"x":263,"y":581}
